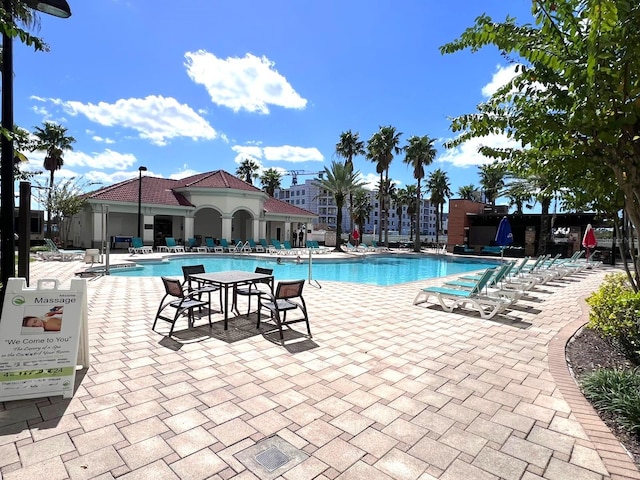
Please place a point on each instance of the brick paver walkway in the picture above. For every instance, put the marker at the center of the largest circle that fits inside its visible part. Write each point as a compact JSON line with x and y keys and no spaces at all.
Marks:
{"x":384,"y":390}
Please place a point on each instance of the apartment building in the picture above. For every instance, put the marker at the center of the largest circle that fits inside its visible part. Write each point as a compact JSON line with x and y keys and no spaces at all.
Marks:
{"x":311,"y":197}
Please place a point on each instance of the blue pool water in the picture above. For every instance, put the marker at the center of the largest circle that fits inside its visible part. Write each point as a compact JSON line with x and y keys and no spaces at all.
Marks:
{"x":380,"y":270}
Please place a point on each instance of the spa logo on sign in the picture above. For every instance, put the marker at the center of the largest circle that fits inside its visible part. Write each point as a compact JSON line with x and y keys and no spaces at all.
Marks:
{"x":19,"y":300}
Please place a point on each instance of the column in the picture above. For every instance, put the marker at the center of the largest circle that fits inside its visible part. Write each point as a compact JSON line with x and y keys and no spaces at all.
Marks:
{"x":226,"y":227}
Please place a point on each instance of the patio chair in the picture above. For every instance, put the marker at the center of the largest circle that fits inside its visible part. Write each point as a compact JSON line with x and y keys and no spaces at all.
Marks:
{"x":179,"y":297}
{"x":451,"y":298}
{"x":197,"y":287}
{"x":172,"y":245}
{"x":137,"y":246}
{"x":288,"y":297}
{"x":254,"y":289}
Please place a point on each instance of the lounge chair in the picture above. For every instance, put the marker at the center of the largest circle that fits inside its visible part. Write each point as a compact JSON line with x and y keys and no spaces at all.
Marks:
{"x":267,"y":248}
{"x":451,"y":298}
{"x":289,"y":250}
{"x":380,"y":248}
{"x":255,"y":247}
{"x":319,"y":248}
{"x":55,"y":253}
{"x":279,"y":248}
{"x":172,"y":245}
{"x":211,"y":245}
{"x":366,"y":248}
{"x":225,"y":245}
{"x":137,"y":246}
{"x":494,"y":287}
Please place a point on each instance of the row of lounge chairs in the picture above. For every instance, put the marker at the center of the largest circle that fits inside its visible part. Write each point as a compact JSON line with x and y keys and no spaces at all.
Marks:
{"x":496,"y":289}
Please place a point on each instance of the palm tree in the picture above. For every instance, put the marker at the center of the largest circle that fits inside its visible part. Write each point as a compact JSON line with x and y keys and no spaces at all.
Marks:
{"x":361,"y":208}
{"x":248,"y":170}
{"x":438,"y":185}
{"x":492,"y":181}
{"x":52,"y":139}
{"x":419,"y":153}
{"x":519,"y":193}
{"x":406,"y":197}
{"x":350,"y":146}
{"x":380,"y":149}
{"x":469,"y":192}
{"x":340,"y":181}
{"x":271,"y":179}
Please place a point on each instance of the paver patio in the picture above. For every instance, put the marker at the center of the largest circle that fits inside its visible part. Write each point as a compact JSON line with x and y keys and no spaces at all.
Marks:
{"x":384,"y":390}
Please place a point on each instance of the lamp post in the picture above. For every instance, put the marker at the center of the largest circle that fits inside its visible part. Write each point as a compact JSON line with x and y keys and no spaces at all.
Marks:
{"x":140,"y":170}
{"x":58,"y":8}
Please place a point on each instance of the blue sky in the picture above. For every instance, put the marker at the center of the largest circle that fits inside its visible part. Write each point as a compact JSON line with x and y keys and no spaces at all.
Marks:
{"x":194,"y":86}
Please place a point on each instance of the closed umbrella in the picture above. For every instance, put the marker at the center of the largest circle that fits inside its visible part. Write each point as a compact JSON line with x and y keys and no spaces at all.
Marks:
{"x":589,"y":240}
{"x":504,"y":236}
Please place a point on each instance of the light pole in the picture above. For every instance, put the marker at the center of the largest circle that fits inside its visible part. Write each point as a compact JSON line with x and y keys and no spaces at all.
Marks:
{"x":58,"y":8}
{"x":140,"y":170}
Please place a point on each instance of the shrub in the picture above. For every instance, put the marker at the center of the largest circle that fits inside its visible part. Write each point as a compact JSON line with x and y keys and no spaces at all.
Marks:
{"x":616,"y":392}
{"x":615,"y":313}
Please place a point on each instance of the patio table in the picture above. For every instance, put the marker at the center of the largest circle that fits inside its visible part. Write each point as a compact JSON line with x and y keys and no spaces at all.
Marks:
{"x":231,"y":278}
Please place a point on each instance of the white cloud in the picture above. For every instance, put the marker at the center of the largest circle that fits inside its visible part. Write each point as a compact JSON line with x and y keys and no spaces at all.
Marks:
{"x":467,"y":154}
{"x":248,"y":152}
{"x":502,"y":76}
{"x":107,"y":159}
{"x":156,"y":118}
{"x":184,"y":172}
{"x":249,"y":83}
{"x":288,"y":153}
{"x":371,"y":180}
{"x":98,"y":139}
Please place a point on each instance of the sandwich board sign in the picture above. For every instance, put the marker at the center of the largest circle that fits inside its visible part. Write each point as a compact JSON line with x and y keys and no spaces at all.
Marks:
{"x":43,"y":338}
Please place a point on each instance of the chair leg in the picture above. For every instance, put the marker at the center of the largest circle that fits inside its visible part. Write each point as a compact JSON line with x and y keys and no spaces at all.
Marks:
{"x":276,"y":316}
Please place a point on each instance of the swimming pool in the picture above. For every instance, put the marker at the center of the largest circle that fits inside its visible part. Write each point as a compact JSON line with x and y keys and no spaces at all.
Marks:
{"x":382,"y":270}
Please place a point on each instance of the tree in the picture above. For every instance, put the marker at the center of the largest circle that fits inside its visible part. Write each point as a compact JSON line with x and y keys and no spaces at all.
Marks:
{"x":440,"y":189}
{"x":407,"y":197}
{"x":350,"y":146}
{"x":469,"y":192}
{"x":65,"y":200}
{"x":53,"y":140}
{"x":573,"y":105}
{"x":271,"y":179}
{"x":339,"y":181}
{"x":361,"y":208}
{"x":492,"y":181}
{"x":380,"y":149}
{"x":519,"y":194}
{"x":248,"y":170}
{"x":419,"y":153}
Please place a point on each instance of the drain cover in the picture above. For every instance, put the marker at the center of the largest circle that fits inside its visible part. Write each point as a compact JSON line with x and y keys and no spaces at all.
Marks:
{"x":272,"y":459}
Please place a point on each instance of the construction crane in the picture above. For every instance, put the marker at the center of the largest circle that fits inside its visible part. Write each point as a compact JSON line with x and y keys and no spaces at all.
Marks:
{"x":294,"y":174}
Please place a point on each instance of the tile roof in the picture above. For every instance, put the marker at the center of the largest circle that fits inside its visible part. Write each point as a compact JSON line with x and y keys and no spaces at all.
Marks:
{"x":164,"y":191}
{"x":273,"y":205}
{"x":158,"y":191}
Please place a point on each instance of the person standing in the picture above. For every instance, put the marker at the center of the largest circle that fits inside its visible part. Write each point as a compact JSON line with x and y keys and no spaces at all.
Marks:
{"x":300,"y":238}
{"x":294,"y":237}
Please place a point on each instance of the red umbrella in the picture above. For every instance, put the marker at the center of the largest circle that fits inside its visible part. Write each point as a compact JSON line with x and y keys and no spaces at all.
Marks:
{"x":589,"y":240}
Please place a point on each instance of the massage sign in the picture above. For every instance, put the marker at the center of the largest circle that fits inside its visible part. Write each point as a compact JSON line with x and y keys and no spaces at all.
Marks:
{"x":39,"y":337}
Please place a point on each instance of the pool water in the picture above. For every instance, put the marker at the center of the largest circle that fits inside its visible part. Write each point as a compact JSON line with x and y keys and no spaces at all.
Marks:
{"x":382,"y":270}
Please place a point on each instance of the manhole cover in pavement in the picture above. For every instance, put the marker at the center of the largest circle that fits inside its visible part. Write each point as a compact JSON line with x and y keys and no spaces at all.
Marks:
{"x":272,"y":458}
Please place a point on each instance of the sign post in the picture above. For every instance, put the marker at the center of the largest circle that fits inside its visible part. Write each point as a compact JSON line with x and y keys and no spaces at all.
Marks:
{"x":43,"y":338}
